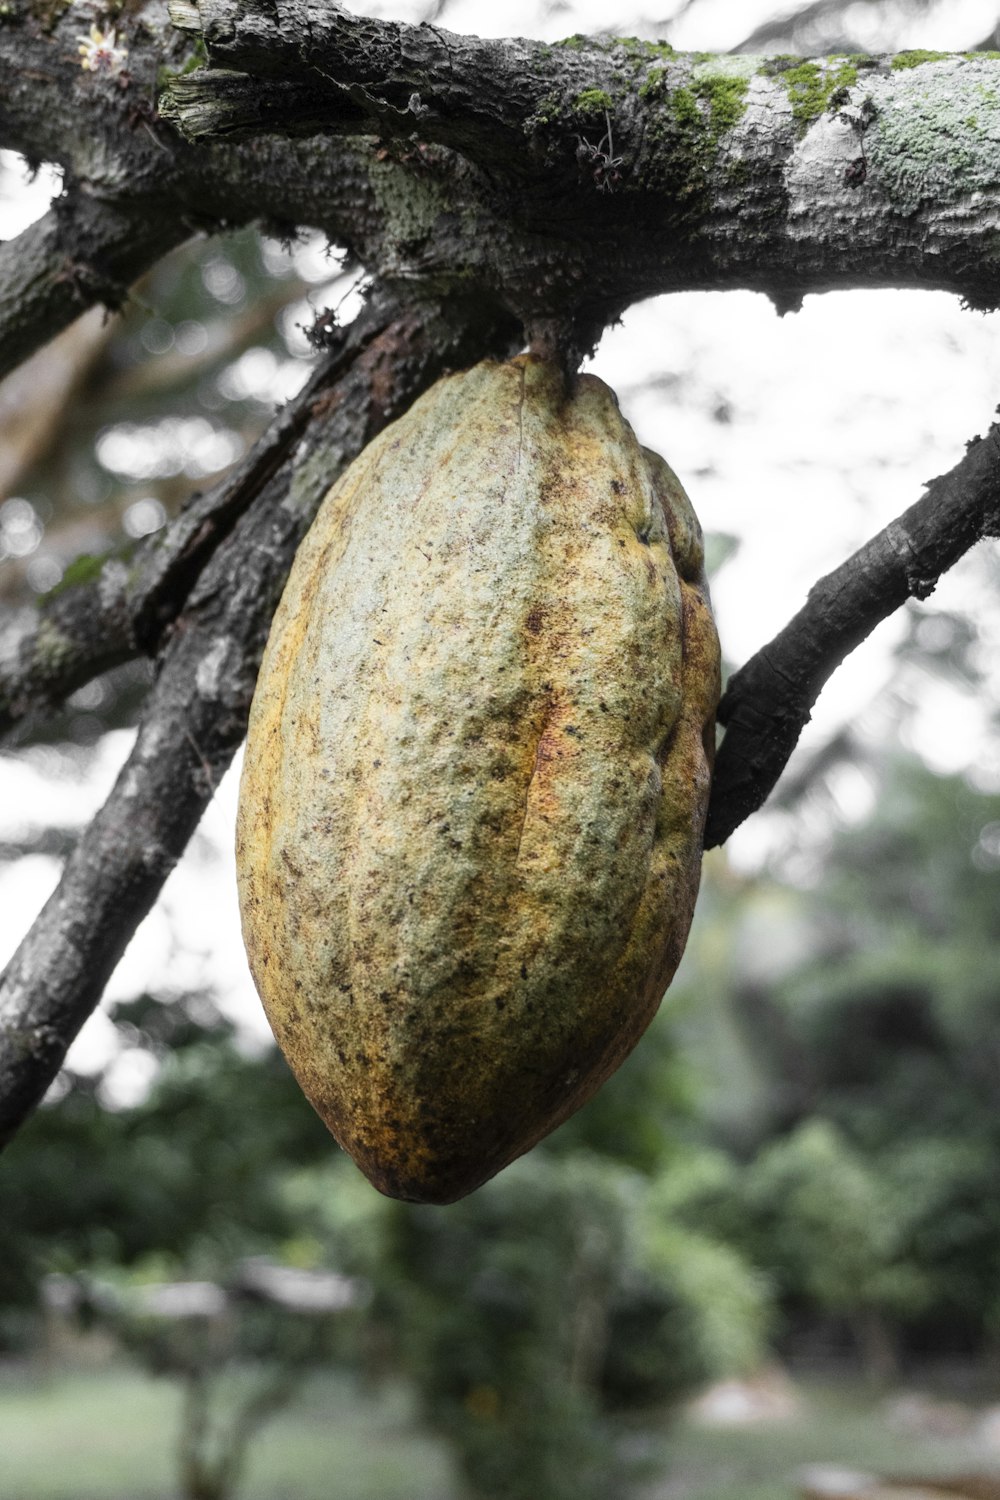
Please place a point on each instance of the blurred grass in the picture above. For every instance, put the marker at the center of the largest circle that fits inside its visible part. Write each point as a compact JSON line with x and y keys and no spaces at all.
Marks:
{"x":841,"y":1425}
{"x":111,"y":1434}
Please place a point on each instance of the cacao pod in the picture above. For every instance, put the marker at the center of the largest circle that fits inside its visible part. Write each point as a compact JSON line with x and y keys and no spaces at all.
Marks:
{"x":476,"y":774}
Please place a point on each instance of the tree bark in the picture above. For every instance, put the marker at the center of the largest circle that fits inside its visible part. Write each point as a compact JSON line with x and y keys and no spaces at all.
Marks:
{"x":660,"y":170}
{"x":562,"y":182}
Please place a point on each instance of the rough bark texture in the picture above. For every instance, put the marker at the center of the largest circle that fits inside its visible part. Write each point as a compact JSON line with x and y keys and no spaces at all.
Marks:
{"x":563,"y":181}
{"x":552,"y":185}
{"x":660,"y":170}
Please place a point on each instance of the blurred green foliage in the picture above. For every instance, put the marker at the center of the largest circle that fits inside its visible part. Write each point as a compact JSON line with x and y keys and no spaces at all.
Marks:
{"x":804,"y":1146}
{"x":193,"y":1175}
{"x":860,"y":1177}
{"x":530,"y":1313}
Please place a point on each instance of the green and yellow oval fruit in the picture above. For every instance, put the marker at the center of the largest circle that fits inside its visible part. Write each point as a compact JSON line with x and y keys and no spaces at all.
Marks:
{"x":476,"y":775}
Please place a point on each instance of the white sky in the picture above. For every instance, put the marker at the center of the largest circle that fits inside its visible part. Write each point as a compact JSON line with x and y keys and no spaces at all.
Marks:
{"x":716,"y":25}
{"x":709,"y":26}
{"x":837,"y":415}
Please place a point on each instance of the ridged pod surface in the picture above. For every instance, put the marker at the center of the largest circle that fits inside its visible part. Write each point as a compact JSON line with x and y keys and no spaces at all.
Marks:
{"x":476,"y":775}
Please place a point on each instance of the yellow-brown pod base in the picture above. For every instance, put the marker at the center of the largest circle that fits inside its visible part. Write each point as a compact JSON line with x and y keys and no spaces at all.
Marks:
{"x":476,"y":775}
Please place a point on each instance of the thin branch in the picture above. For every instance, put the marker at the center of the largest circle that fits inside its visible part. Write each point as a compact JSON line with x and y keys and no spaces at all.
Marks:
{"x":132,"y":597}
{"x":54,"y":841}
{"x":768,"y":702}
{"x":79,"y":254}
{"x":196,"y":713}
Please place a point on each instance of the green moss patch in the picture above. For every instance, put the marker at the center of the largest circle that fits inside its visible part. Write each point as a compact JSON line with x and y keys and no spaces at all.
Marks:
{"x":686,"y":123}
{"x":915,"y":58}
{"x":726,"y":97}
{"x":197,"y":59}
{"x":82,"y":570}
{"x":644,"y":51}
{"x":655,"y":85}
{"x":810,"y":85}
{"x":635,"y":48}
{"x":593,"y":101}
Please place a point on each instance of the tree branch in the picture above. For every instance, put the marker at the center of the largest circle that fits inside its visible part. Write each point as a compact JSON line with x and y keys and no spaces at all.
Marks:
{"x":274,"y":70}
{"x":196,"y":713}
{"x":133,"y":187}
{"x":131,"y":598}
{"x":72,"y":635}
{"x":561,"y":183}
{"x":83,"y":252}
{"x":654,"y":170}
{"x":768,"y":702}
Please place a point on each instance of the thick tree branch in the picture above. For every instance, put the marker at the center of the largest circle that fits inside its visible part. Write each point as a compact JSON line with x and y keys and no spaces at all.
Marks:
{"x":335,"y":72}
{"x":561,"y":182}
{"x":654,"y":170}
{"x":196,"y":713}
{"x":133,"y":187}
{"x":767,"y":703}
